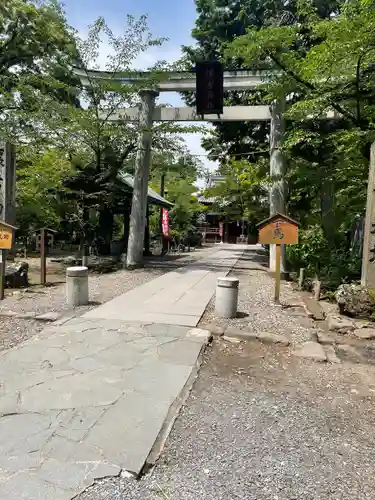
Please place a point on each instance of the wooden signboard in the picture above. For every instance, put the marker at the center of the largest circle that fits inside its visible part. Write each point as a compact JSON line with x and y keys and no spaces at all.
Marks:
{"x":6,"y":236}
{"x":279,"y":229}
{"x":6,"y":242}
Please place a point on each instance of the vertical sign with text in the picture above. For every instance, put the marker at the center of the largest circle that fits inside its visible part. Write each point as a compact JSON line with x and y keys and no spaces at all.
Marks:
{"x":7,"y":182}
{"x":165,"y":222}
{"x":2,"y":180}
{"x":209,"y":88}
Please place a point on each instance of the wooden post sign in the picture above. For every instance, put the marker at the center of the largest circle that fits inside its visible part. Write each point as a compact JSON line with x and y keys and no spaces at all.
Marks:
{"x":279,"y":229}
{"x":6,"y":242}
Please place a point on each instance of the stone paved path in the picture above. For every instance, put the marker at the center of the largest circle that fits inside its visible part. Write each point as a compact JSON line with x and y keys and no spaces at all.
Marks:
{"x":176,"y":298}
{"x":87,"y":398}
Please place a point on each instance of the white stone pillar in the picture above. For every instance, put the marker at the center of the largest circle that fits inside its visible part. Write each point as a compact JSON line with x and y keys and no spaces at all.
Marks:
{"x":77,"y":286}
{"x":226,"y":300}
{"x":141,"y":175}
{"x":277,"y":194}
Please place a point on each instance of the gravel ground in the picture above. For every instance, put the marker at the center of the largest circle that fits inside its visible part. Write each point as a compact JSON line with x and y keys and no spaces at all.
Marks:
{"x":262,"y":425}
{"x":102,"y":288}
{"x":256,"y":307}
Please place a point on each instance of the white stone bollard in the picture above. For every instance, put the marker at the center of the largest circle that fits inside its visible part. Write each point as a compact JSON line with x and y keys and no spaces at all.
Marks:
{"x":77,"y":286}
{"x":226,"y":297}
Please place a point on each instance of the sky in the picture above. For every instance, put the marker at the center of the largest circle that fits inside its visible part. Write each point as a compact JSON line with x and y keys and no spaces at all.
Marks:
{"x":172,"y":19}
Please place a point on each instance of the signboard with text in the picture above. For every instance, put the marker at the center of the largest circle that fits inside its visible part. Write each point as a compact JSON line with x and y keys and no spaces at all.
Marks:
{"x":209,"y":88}
{"x":165,"y":222}
{"x":278,"y":230}
{"x":6,"y":236}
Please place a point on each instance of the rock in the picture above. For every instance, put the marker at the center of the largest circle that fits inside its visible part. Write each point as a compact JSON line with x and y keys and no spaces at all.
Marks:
{"x":215,"y":329}
{"x":56,"y":260}
{"x":28,"y":315}
{"x":325,"y":339}
{"x":8,"y":313}
{"x":232,"y":340}
{"x":311,"y":350}
{"x":339,"y":324}
{"x":16,"y":275}
{"x":69,"y":261}
{"x":199,"y":334}
{"x":240,"y":334}
{"x":331,"y":355}
{"x":48,"y":316}
{"x":365,"y":333}
{"x":273,"y":338}
{"x":364,"y":324}
{"x":355,"y":301}
{"x":247,"y":334}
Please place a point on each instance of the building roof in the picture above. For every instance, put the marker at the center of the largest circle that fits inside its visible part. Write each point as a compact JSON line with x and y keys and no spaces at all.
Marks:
{"x":153,"y":197}
{"x":275,"y":217}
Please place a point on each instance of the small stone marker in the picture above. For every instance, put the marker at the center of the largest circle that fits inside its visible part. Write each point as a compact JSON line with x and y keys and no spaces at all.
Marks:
{"x":278,"y":230}
{"x":77,"y":286}
{"x":226,"y":297}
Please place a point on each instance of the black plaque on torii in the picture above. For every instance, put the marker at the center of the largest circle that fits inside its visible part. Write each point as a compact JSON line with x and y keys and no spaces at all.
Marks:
{"x":209,"y":88}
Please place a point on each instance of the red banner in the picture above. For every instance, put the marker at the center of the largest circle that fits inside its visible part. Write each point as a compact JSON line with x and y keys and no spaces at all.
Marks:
{"x":165,"y":222}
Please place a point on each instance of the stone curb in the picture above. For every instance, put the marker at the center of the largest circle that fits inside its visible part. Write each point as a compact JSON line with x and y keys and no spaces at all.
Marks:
{"x":264,"y":337}
{"x":47,"y":317}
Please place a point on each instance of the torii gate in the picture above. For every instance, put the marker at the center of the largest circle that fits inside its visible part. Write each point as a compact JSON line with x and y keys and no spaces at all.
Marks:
{"x":147,"y":113}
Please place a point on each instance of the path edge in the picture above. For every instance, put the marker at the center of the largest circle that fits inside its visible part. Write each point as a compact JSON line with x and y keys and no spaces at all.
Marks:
{"x":173,"y":413}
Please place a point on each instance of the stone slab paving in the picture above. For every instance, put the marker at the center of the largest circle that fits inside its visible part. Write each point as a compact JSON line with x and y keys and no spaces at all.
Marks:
{"x":85,"y":400}
{"x":88,"y":397}
{"x":176,"y":298}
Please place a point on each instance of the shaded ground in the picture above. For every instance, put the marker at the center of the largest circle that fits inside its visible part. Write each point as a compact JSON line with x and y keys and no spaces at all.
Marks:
{"x":261,"y":425}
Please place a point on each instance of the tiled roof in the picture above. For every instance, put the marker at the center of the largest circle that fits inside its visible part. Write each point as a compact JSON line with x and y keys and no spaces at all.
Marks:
{"x":154,"y":197}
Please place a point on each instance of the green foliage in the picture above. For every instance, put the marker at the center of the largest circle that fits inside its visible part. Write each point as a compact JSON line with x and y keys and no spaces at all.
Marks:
{"x":39,"y":177}
{"x":331,"y":265}
{"x":242,"y":195}
{"x":35,"y":50}
{"x":180,"y":173}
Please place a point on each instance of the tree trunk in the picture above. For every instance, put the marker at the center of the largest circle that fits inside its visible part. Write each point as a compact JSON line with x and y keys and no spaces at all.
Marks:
{"x":106,"y":228}
{"x":147,"y":251}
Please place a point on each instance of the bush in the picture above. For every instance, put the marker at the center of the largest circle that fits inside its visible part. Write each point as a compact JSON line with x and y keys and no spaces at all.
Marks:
{"x":333,"y":266}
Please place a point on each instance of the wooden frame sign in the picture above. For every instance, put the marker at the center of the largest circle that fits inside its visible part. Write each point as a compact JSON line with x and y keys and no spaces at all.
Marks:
{"x":279,"y":229}
{"x":6,"y":235}
{"x":6,"y":242}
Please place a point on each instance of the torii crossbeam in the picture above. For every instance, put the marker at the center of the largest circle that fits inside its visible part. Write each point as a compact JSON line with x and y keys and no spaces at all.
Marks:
{"x":147,"y":112}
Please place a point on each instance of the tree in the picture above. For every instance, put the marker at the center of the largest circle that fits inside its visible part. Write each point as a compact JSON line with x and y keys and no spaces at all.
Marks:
{"x":35,"y":49}
{"x":39,"y":176}
{"x":242,"y":195}
{"x":180,"y":173}
{"x":99,"y":144}
{"x":323,"y":65}
{"x":218,"y":24}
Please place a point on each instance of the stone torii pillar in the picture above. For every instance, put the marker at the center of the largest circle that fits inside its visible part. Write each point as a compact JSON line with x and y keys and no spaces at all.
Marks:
{"x":142,"y":169}
{"x":277,"y":192}
{"x":368,"y":257}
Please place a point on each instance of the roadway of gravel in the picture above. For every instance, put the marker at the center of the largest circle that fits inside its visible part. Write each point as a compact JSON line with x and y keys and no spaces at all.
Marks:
{"x":262,"y":425}
{"x":102,"y":287}
{"x":256,"y":307}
